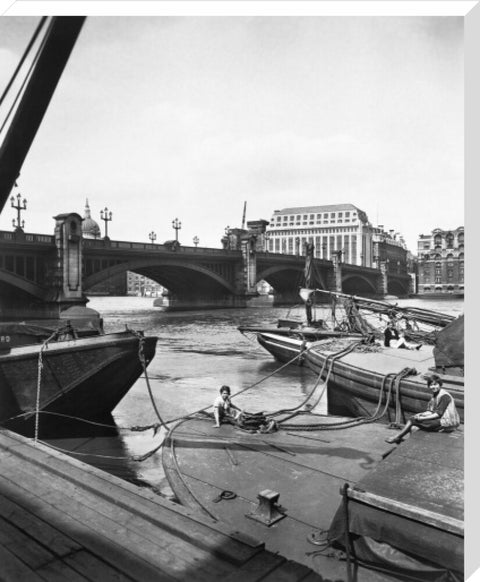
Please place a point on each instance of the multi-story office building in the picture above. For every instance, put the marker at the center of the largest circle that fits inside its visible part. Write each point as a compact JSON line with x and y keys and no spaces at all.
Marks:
{"x":441,"y":261}
{"x":389,"y":247}
{"x":333,"y":228}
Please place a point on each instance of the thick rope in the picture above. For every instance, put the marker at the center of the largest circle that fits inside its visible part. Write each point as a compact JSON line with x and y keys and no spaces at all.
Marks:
{"x":331,"y":359}
{"x":361,"y":419}
{"x":39,"y":383}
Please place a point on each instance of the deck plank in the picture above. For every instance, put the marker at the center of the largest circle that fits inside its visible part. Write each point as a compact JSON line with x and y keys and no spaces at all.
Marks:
{"x":257,"y":568}
{"x":66,"y":520}
{"x":15,"y":570}
{"x":141,"y":502}
{"x":117,"y":526}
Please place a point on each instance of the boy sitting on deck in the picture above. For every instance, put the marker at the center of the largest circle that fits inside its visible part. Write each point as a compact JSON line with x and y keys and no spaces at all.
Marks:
{"x":223,"y":407}
{"x":441,"y":412}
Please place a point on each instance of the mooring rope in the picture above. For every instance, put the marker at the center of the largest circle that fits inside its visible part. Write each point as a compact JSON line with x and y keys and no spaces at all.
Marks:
{"x":39,"y":383}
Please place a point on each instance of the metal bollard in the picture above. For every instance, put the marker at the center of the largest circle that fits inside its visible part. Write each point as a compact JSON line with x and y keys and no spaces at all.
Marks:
{"x":267,"y":510}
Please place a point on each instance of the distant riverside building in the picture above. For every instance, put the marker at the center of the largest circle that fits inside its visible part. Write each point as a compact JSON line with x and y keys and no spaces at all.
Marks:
{"x":333,"y":228}
{"x":142,"y":286}
{"x":441,"y":261}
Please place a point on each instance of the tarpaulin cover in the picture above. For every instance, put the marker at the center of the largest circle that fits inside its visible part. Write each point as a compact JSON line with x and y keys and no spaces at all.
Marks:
{"x":426,"y":473}
{"x":449,"y":348}
{"x":402,"y":539}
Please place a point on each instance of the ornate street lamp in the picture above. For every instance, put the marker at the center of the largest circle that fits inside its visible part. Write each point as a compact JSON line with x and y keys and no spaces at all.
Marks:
{"x":196,"y":240}
{"x":177,"y":226}
{"x":153,"y":237}
{"x":106,"y":216}
{"x":19,"y":206}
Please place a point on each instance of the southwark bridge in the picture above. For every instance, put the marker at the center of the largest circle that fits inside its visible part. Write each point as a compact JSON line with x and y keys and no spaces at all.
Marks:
{"x":43,"y":276}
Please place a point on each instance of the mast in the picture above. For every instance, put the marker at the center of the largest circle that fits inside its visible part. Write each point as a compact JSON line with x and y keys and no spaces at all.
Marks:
{"x":52,"y":58}
{"x":244,"y":214}
{"x":423,"y":315}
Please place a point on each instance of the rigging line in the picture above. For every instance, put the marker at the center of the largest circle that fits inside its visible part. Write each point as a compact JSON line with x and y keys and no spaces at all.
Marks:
{"x":186,"y":416}
{"x":231,"y":440}
{"x":24,"y":82}
{"x":180,"y":473}
{"x":39,"y":383}
{"x":84,"y":420}
{"x":98,"y":456}
{"x":256,"y":448}
{"x":78,"y":453}
{"x":22,"y":60}
{"x":332,"y":358}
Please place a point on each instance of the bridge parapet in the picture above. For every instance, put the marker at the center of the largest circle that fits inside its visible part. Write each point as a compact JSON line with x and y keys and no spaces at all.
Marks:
{"x":15,"y":238}
{"x":155,"y":248}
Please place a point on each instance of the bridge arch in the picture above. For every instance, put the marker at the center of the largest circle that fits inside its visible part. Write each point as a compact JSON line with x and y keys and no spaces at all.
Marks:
{"x":28,"y":287}
{"x":176,"y":276}
{"x":356,"y":284}
{"x":397,"y":287}
{"x":288,"y":277}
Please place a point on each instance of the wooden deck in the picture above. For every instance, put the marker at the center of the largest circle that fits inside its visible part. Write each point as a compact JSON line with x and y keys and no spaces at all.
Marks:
{"x":63,"y":520}
{"x":423,"y":475}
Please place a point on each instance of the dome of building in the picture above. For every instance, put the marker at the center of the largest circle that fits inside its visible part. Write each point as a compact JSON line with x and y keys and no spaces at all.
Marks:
{"x":90,"y":228}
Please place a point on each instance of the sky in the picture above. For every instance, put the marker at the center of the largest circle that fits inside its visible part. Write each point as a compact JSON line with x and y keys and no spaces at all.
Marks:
{"x":188,"y":117}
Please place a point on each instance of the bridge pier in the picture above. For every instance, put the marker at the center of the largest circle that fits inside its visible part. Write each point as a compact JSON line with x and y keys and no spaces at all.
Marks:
{"x":64,"y":299}
{"x":382,"y":285}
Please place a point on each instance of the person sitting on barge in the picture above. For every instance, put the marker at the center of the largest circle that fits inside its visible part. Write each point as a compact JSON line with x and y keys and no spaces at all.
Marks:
{"x":401,"y":343}
{"x":223,"y":407}
{"x":390,"y":334}
{"x":441,"y":413}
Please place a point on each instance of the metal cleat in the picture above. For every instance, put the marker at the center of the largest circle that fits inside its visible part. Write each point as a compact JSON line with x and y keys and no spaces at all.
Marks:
{"x":267,"y":511}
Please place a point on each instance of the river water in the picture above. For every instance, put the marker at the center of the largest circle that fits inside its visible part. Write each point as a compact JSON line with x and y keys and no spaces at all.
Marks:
{"x":197,"y":352}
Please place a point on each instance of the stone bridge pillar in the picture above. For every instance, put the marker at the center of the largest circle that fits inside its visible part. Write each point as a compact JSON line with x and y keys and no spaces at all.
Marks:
{"x":382,"y":285}
{"x":249,"y":257}
{"x":337,"y":272}
{"x":67,"y":297}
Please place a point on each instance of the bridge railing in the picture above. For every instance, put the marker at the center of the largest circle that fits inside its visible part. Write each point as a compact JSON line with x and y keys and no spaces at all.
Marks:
{"x":10,"y":236}
{"x":149,"y":247}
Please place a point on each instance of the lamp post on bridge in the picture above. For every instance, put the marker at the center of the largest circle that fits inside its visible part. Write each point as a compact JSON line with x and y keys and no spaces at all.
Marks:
{"x":177,"y":226}
{"x":106,"y":216}
{"x":196,"y":240}
{"x":19,"y":206}
{"x":153,"y":237}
